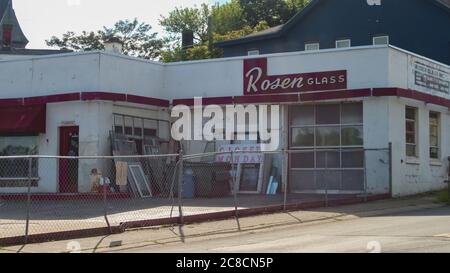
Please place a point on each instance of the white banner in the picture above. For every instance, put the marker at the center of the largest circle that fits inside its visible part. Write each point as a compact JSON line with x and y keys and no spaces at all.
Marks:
{"x":243,"y":153}
{"x":428,"y":77}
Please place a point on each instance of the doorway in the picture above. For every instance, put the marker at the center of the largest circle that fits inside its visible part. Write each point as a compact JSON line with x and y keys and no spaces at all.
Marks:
{"x":68,"y":168}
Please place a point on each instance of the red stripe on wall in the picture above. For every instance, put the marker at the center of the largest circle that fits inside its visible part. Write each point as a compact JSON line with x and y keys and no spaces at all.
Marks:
{"x":411,"y":94}
{"x":148,"y":101}
{"x":218,"y":101}
{"x":11,"y":102}
{"x":188,"y":102}
{"x":342,"y":94}
{"x":266,"y":99}
{"x":103,"y":96}
{"x":52,"y":99}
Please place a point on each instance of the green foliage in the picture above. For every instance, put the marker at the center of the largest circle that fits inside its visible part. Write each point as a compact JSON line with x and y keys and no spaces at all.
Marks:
{"x":182,"y":19}
{"x":231,"y":20}
{"x":227,"y":18}
{"x":137,"y":38}
{"x":442,"y":196}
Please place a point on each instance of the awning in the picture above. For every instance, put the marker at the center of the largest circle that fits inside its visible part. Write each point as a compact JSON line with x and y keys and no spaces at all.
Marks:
{"x":22,"y":119}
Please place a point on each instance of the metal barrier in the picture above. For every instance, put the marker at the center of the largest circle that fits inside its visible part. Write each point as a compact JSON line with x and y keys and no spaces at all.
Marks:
{"x":58,"y":197}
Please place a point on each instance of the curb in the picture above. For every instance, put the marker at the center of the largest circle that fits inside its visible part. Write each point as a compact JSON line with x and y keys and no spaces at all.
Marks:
{"x":188,"y":219}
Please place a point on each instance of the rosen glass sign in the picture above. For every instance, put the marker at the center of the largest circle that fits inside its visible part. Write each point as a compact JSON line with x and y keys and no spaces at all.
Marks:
{"x":257,"y":82}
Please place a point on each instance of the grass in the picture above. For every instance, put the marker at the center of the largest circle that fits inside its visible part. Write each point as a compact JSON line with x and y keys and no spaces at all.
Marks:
{"x":442,"y":196}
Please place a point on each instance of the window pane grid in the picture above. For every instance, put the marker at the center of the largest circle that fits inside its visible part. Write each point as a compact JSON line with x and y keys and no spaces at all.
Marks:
{"x":434,"y":124}
{"x":341,"y":136}
{"x":411,"y":131}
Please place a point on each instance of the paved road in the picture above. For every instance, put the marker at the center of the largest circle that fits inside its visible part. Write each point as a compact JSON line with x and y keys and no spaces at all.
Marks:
{"x":425,"y":230}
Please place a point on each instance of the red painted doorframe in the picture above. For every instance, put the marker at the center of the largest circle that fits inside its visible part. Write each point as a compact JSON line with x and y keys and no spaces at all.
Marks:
{"x":68,"y":168}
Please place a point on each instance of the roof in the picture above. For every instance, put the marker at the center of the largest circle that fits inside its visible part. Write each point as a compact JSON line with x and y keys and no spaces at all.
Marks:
{"x":3,"y":5}
{"x":24,"y":51}
{"x":9,"y":18}
{"x":277,"y":31}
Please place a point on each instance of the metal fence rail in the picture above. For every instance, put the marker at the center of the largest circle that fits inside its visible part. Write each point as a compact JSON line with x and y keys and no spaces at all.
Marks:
{"x":55,"y":196}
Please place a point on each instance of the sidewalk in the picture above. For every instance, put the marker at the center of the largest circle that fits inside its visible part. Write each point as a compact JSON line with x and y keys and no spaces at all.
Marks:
{"x":219,"y":229}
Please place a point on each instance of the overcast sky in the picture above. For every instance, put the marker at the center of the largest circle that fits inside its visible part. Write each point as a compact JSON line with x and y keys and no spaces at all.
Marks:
{"x":40,"y":19}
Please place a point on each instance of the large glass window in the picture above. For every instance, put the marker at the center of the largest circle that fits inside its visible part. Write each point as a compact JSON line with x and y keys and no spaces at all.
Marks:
{"x":328,"y":125}
{"x":434,"y":135}
{"x":327,"y":142}
{"x":139,"y":128}
{"x":411,"y":131}
{"x":15,"y":172}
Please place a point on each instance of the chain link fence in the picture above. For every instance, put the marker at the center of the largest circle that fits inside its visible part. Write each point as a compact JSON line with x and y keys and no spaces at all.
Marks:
{"x":58,"y":197}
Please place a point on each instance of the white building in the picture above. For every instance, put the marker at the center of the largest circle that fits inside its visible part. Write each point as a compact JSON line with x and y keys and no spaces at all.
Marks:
{"x":354,"y":98}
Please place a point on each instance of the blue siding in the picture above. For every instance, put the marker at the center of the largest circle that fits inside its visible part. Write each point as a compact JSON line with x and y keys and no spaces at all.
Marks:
{"x":419,"y":26}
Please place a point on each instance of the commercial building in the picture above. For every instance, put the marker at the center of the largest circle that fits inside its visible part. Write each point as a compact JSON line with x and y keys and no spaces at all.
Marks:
{"x":352,"y":98}
{"x":341,"y":110}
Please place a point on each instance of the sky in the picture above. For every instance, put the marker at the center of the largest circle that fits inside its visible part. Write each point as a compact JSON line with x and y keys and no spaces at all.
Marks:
{"x":41,"y":19}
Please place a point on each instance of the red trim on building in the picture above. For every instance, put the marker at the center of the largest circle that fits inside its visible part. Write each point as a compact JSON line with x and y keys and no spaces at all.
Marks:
{"x":411,"y":94}
{"x":23,"y":119}
{"x":41,"y":100}
{"x":11,"y":102}
{"x":187,"y":102}
{"x":266,"y":98}
{"x":103,"y":96}
{"x":52,"y":99}
{"x":147,"y":101}
{"x":218,"y":101}
{"x":332,"y":95}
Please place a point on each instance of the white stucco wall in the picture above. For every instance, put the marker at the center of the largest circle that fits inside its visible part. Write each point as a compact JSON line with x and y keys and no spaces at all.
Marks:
{"x":367,"y":67}
{"x":421,"y":174}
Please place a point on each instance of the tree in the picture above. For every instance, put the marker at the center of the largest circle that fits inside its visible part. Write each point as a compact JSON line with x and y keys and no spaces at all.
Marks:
{"x":137,"y":38}
{"x":187,"y":19}
{"x":227,"y":17}
{"x":274,"y":12}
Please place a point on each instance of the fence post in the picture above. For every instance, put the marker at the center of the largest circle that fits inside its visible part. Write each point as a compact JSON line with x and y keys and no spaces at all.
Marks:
{"x":285,"y":160}
{"x":365,"y":176}
{"x":27,"y":224}
{"x":105,"y":205}
{"x":235,"y":188}
{"x":180,"y":186}
{"x":390,"y":169}
{"x":326,"y":180}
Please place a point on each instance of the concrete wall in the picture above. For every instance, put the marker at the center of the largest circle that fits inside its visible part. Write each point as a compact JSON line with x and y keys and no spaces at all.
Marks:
{"x":219,"y":78}
{"x":415,"y":175}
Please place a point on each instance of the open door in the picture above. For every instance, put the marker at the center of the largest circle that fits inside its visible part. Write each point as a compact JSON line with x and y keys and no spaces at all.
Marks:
{"x":68,"y":168}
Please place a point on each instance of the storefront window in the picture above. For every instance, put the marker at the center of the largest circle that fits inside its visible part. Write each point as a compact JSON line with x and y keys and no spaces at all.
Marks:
{"x":352,"y":136}
{"x":327,"y":136}
{"x":139,"y":128}
{"x":327,"y":140}
{"x":434,"y":135}
{"x":16,"y":171}
{"x":411,"y":132}
{"x":328,"y":114}
{"x":303,"y":137}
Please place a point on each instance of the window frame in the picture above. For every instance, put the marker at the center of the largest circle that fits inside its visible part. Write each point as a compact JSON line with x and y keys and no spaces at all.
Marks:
{"x":378,"y":37}
{"x":20,"y":176}
{"x":253,"y":52}
{"x":312,"y":44}
{"x":316,"y":125}
{"x":415,"y":121}
{"x":343,"y":40}
{"x":138,"y":122}
{"x":438,"y":134}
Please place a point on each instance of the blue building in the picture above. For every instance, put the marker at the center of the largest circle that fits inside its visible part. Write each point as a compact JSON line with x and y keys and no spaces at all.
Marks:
{"x":420,"y":26}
